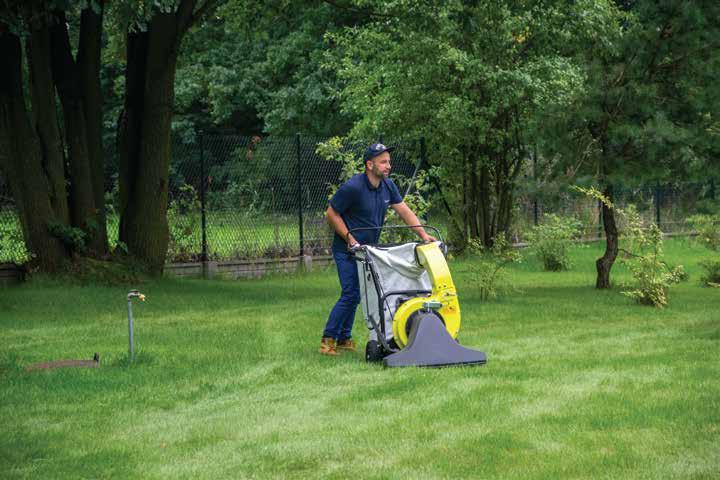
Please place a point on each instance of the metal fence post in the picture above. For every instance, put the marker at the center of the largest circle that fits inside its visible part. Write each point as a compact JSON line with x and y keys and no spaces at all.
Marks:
{"x":299,"y":196}
{"x":420,"y":164}
{"x":203,"y":214}
{"x":657,"y":203}
{"x":535,"y":197}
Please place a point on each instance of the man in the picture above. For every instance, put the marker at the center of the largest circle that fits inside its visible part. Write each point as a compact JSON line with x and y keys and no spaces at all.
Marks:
{"x":362,"y":201}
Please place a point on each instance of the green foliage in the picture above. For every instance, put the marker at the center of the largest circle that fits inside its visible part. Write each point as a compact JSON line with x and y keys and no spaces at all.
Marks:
{"x":473,"y":77}
{"x":256,"y":67}
{"x":72,"y":237}
{"x":711,"y":276}
{"x":12,"y":243}
{"x":487,"y":267}
{"x":707,"y":228}
{"x":551,"y":240}
{"x":240,"y":197}
{"x":418,"y":199}
{"x":335,"y":149}
{"x":184,"y":223}
{"x":652,"y":275}
{"x":647,"y":106}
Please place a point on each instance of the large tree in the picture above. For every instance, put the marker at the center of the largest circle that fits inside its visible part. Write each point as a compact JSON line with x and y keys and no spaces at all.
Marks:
{"x":470,"y":76}
{"x":144,"y":127}
{"x":649,"y":104}
{"x":54,"y":162}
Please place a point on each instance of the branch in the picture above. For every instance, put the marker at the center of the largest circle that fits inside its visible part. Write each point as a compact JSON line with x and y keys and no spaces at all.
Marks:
{"x":184,"y":16}
{"x":204,"y":8}
{"x":188,"y":15}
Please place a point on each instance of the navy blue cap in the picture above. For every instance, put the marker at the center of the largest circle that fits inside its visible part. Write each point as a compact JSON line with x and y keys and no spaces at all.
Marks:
{"x":374,"y":150}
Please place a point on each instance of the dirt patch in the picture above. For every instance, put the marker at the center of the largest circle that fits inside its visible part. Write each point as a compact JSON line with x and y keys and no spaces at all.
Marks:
{"x":94,"y":363}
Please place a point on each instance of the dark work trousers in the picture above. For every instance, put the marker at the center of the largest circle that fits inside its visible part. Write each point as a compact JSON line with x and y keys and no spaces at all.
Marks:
{"x":340,"y":323}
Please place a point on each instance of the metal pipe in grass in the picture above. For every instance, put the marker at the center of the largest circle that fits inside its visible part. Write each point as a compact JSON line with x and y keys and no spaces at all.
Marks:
{"x":131,"y":335}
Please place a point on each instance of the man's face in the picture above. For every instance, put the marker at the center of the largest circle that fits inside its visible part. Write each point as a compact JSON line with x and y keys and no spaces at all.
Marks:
{"x":380,"y":165}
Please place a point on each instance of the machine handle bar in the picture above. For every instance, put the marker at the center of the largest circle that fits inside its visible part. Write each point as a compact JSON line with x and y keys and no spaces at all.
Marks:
{"x":437,"y":232}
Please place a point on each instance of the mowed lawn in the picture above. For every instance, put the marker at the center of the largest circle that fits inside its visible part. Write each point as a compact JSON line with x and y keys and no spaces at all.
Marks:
{"x":228,"y":384}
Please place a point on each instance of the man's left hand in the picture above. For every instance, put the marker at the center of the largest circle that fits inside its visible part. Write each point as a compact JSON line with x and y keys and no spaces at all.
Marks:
{"x":428,"y":238}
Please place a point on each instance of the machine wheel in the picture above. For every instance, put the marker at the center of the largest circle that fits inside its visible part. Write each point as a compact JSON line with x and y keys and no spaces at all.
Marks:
{"x":373,"y":351}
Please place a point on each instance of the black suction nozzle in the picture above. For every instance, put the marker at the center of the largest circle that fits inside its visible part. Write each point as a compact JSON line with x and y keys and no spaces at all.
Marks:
{"x":430,"y":345}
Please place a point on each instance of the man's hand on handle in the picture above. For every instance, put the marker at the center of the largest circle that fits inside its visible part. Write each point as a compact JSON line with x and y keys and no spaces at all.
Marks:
{"x":352,"y":244}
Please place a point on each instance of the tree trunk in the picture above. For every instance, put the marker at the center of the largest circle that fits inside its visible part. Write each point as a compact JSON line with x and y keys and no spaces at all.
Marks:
{"x":145,"y":134}
{"x":604,"y":264}
{"x":42,"y":92}
{"x":83,"y":208}
{"x":485,"y":207}
{"x":465,"y":208}
{"x":88,"y":61}
{"x":505,"y":209}
{"x":130,"y":122}
{"x":473,"y":210}
{"x":21,"y":159}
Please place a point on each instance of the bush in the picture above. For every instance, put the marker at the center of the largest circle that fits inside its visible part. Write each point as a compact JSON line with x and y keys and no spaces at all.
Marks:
{"x":711,"y":277}
{"x":12,"y":243}
{"x":708,"y":230}
{"x":487,"y":267}
{"x":550,"y":241}
{"x":184,"y":224}
{"x":653,"y":277}
{"x":417,"y":200}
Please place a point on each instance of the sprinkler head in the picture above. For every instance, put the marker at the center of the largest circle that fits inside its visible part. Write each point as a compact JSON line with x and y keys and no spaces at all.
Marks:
{"x":136,"y":294}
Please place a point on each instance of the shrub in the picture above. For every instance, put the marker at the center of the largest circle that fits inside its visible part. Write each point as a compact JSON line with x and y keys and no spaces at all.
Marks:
{"x":184,"y":224}
{"x":708,"y":230}
{"x":12,"y":243}
{"x":653,"y":277}
{"x":711,"y":277}
{"x":487,"y":267}
{"x":417,"y":200}
{"x":550,"y":241}
{"x":72,"y":237}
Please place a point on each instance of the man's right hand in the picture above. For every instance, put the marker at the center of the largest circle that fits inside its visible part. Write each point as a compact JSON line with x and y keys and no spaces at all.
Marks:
{"x":352,"y":244}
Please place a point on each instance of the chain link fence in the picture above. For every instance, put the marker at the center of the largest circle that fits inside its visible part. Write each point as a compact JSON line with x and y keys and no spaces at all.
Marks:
{"x":12,"y":244}
{"x":667,"y":205}
{"x":238,"y":197}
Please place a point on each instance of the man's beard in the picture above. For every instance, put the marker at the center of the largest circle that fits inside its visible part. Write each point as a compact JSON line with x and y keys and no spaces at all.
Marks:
{"x":379,"y":173}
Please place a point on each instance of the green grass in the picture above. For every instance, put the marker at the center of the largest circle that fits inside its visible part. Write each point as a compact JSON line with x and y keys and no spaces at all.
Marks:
{"x":228,"y":384}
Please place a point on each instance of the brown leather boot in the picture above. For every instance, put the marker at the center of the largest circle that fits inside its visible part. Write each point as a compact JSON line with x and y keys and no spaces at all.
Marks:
{"x":328,"y":346}
{"x":347,"y":345}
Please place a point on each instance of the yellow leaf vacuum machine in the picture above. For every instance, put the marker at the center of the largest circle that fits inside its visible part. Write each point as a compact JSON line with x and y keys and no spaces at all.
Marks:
{"x":411,"y":306}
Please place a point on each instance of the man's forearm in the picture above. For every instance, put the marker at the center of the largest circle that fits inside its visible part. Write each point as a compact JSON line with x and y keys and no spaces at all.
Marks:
{"x":410,"y":219}
{"x":338,"y":224}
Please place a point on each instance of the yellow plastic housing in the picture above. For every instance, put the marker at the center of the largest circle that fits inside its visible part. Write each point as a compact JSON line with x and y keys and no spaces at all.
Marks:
{"x":443,"y":291}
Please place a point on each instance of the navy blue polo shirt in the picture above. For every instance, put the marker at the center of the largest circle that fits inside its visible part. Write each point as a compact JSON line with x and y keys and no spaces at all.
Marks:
{"x":361,"y":205}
